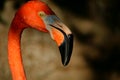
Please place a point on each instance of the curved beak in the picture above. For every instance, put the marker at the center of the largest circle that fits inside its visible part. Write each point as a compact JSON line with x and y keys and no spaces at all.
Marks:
{"x":66,"y":48}
{"x":64,"y":41}
{"x":62,"y":35}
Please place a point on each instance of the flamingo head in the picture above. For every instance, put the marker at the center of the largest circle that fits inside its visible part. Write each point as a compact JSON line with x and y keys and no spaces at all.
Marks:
{"x":39,"y":16}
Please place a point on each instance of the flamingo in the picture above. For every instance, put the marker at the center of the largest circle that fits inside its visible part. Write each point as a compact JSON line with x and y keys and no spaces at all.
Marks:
{"x":36,"y":14}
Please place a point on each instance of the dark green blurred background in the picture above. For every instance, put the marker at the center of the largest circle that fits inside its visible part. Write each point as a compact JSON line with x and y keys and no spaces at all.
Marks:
{"x":96,"y":53}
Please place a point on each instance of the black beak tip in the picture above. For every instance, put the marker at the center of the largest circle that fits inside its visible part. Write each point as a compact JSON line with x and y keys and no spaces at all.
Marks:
{"x":66,"y":49}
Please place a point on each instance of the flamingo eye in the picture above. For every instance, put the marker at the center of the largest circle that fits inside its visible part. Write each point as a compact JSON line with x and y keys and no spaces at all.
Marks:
{"x":42,"y":14}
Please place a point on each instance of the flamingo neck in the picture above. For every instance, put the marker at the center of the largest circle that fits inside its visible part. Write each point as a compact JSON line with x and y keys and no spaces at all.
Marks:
{"x":14,"y":52}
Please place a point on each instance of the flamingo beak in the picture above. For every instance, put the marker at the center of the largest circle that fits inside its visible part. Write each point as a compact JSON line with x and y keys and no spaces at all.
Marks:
{"x":66,"y":48}
{"x":64,"y":41}
{"x":62,"y":36}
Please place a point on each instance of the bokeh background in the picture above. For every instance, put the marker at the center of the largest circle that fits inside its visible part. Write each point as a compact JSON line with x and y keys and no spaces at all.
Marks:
{"x":96,"y":52}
